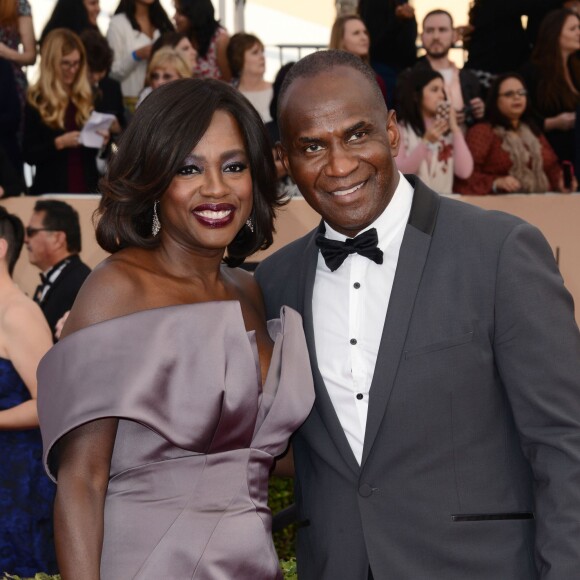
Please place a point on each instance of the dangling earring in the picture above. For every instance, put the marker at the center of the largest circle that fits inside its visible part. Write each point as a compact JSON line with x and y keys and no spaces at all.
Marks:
{"x":156,"y":225}
{"x":250,"y":224}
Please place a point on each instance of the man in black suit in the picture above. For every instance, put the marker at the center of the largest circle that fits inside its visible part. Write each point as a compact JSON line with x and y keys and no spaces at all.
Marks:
{"x":53,"y":241}
{"x":444,"y":442}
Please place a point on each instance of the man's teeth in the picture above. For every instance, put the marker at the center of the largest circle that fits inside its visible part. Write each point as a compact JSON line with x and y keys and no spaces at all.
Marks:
{"x":347,"y":191}
{"x":214,"y":215}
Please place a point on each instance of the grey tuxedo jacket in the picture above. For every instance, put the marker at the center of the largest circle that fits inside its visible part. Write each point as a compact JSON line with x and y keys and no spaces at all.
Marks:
{"x":471,"y":459}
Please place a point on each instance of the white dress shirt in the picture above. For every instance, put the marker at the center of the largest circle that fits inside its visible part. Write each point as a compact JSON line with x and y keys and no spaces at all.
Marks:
{"x":349,"y":308}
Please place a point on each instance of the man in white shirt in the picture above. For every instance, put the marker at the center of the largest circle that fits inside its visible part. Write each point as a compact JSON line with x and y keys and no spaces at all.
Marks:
{"x":444,"y":442}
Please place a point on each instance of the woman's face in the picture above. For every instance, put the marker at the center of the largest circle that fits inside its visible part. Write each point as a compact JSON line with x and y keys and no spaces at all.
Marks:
{"x":162,"y":75}
{"x":182,"y":23}
{"x":433,"y":93}
{"x":356,"y":38}
{"x":68,"y":68}
{"x":254,"y":61}
{"x":512,"y":99}
{"x":186,"y":50}
{"x":570,"y":35}
{"x":93,"y":9}
{"x":210,"y":198}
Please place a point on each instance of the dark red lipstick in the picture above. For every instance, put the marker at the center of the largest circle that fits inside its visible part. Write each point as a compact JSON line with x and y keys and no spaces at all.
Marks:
{"x":214,"y":215}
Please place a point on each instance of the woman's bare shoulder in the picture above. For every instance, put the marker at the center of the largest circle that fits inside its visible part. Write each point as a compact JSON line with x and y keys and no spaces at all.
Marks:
{"x":113,"y":289}
{"x":247,"y":287}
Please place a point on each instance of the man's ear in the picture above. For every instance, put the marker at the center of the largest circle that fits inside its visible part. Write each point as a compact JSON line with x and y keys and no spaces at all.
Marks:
{"x":393,"y":132}
{"x":283,"y":157}
{"x":60,"y":239}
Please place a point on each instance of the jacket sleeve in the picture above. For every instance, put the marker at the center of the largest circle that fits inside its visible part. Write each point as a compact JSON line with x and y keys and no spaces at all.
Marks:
{"x":537,"y":354}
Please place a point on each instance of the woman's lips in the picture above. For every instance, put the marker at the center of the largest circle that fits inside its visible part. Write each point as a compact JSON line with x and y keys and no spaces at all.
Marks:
{"x":214,"y":215}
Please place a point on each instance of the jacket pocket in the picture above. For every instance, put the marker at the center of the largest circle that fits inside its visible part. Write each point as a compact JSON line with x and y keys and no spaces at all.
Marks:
{"x":441,"y":345}
{"x":492,"y":517}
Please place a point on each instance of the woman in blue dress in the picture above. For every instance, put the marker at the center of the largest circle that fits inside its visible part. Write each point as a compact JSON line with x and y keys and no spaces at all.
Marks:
{"x":26,"y":494}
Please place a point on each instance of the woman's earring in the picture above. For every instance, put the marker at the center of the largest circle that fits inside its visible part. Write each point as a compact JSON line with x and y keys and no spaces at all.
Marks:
{"x":250,"y":224}
{"x":156,"y":225}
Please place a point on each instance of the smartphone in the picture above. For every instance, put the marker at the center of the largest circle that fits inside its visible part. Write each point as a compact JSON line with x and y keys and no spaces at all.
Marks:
{"x":568,"y":171}
{"x":443,"y":110}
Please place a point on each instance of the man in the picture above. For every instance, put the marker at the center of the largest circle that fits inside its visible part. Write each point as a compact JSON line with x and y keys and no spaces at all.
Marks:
{"x":53,"y":241}
{"x":462,"y":85}
{"x":444,"y":442}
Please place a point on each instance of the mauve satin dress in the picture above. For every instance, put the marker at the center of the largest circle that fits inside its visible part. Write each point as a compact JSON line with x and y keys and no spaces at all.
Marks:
{"x":197,"y":434}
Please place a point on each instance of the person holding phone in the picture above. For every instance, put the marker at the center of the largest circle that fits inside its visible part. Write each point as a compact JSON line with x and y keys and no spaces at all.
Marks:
{"x":432,"y":143}
{"x":510,"y":152}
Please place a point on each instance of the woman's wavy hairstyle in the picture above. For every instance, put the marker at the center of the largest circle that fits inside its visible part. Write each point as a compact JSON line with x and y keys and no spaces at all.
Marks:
{"x":337,"y":33}
{"x":165,"y":129}
{"x":553,"y":93}
{"x":495,"y":117}
{"x":236,"y":51}
{"x":157,"y":15}
{"x":48,"y":95}
{"x":202,"y":22}
{"x":11,"y":230}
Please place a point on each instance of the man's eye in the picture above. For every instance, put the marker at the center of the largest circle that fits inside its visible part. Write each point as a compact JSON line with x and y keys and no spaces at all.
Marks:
{"x":188,"y":170}
{"x":356,"y":136}
{"x":235,"y":167}
{"x":313,"y":148}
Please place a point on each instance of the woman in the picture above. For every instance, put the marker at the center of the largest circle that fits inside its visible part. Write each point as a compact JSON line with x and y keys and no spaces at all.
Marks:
{"x":132,"y":30}
{"x":196,"y":19}
{"x":76,"y":15}
{"x":509,"y":151}
{"x":26,"y":494}
{"x":165,"y":66}
{"x":432,"y":143}
{"x":166,"y":448}
{"x":59,"y":104}
{"x":246,"y":59}
{"x":181,"y":44}
{"x":350,"y":33}
{"x":553,"y":79}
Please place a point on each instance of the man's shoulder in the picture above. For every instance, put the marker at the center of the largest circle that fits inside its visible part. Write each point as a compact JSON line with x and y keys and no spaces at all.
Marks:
{"x":287,"y":256}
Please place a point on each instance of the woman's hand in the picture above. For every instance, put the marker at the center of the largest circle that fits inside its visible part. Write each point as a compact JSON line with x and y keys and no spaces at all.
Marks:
{"x":436,"y":131}
{"x":507,"y":184}
{"x":144,"y":52}
{"x":106,"y":135}
{"x":573,"y":185}
{"x":561,"y":122}
{"x":68,"y":140}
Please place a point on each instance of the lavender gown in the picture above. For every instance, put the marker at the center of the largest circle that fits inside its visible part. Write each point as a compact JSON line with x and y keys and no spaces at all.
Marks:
{"x":187,"y":495}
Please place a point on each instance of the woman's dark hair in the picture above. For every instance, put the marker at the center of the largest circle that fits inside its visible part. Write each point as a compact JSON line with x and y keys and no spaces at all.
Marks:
{"x":494,"y":116}
{"x":157,"y":14}
{"x":202,"y":22}
{"x":237,"y":46}
{"x":99,"y":53}
{"x":165,"y":129}
{"x":70,"y":14}
{"x":276,"y":86}
{"x":11,"y":230}
{"x":553,"y":94}
{"x":172,"y":39}
{"x":411,"y":95}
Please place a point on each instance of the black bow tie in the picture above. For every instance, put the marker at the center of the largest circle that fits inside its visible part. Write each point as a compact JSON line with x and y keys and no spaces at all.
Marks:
{"x":335,"y":252}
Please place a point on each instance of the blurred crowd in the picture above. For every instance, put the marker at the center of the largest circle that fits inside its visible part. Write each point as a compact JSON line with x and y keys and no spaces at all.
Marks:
{"x":504,"y":123}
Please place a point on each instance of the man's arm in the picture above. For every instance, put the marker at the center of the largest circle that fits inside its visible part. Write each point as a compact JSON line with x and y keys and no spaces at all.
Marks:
{"x":537,"y":352}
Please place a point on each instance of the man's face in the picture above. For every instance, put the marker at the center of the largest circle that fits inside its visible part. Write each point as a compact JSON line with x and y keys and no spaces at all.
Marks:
{"x":338,"y":144}
{"x":40,"y":243}
{"x":438,"y":35}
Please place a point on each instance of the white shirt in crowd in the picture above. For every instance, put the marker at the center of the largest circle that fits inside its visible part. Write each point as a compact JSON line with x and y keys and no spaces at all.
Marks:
{"x":349,"y":308}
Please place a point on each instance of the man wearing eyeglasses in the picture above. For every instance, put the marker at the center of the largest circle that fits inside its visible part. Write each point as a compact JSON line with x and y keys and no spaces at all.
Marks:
{"x":53,"y":241}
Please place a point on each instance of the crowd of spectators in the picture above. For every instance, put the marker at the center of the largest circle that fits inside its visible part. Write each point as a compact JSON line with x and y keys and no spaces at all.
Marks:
{"x":452,"y":122}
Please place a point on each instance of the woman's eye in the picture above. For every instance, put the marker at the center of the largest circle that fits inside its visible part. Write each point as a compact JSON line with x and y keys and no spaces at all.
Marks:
{"x":235,"y":167}
{"x":188,"y":170}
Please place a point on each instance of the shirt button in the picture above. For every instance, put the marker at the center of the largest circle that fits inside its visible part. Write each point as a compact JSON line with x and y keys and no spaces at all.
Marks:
{"x":353,"y":341}
{"x":356,"y":285}
{"x":359,"y":396}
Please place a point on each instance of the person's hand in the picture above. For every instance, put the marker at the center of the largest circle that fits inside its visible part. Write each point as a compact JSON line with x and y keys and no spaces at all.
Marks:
{"x":564,"y":121}
{"x":68,"y":140}
{"x":477,"y":108}
{"x":405,"y":12}
{"x":573,"y":185}
{"x":115,"y":127}
{"x":4,"y":51}
{"x":507,"y":184}
{"x":436,"y":131}
{"x":60,"y":324}
{"x":106,"y":135}
{"x":459,"y":116}
{"x":144,"y":52}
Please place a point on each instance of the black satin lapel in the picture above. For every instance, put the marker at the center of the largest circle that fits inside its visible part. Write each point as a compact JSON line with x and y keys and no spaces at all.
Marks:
{"x":322,"y":402}
{"x":412,"y":258}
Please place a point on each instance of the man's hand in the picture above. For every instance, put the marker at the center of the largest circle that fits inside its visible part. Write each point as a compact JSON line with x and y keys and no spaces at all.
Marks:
{"x":477,"y":108}
{"x":405,"y":12}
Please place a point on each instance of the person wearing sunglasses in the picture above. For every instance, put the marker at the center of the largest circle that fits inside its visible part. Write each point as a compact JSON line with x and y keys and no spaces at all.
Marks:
{"x":510,"y":153}
{"x":53,"y":242}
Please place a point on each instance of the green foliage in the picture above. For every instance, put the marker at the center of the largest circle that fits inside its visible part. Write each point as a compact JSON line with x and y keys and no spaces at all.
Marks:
{"x":38,"y":576}
{"x":289,"y":569}
{"x":280,"y":496}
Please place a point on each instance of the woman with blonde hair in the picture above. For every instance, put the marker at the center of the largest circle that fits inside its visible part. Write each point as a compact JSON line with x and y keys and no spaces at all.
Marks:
{"x":58,"y":106}
{"x":166,"y":65}
{"x":350,"y":33}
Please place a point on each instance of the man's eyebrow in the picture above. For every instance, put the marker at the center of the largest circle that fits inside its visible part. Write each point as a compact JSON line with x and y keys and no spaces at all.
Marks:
{"x":307,"y":139}
{"x":356,"y":127}
{"x":349,"y":130}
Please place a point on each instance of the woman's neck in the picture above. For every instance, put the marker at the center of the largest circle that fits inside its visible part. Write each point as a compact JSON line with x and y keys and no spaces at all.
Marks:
{"x":252,"y":82}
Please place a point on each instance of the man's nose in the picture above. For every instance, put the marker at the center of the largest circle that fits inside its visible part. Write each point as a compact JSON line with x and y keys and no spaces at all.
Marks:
{"x":341,"y":162}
